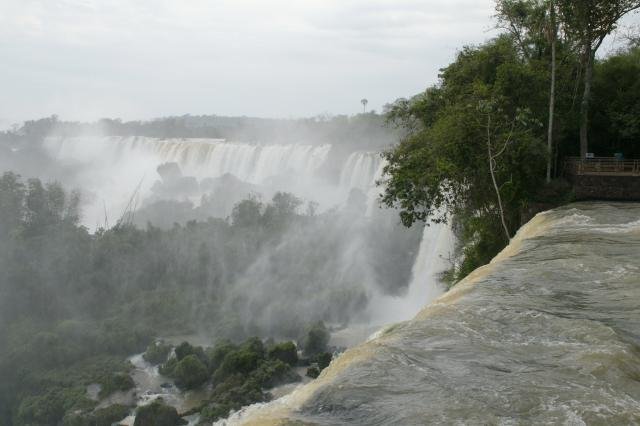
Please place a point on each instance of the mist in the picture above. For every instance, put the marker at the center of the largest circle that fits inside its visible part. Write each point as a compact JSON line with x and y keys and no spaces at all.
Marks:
{"x":203,"y":229}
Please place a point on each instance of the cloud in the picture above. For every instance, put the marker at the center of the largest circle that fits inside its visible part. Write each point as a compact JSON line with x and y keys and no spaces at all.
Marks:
{"x":85,"y":58}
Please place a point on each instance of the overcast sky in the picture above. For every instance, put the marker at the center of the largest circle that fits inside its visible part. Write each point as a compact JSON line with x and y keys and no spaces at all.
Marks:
{"x":85,"y":59}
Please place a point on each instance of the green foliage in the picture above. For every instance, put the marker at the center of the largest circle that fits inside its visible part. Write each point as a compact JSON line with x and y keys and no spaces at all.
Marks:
{"x":157,"y":414}
{"x":185,"y":349}
{"x":242,"y":361}
{"x":241,"y":373}
{"x":109,"y":415}
{"x":190,"y":372}
{"x":323,"y":360}
{"x":219,"y":352}
{"x":486,"y":102}
{"x":118,"y":382}
{"x":316,"y":340}
{"x":157,"y":353}
{"x":273,"y":373}
{"x":285,"y":352}
{"x":616,"y":114}
{"x":50,"y":408}
{"x":313,"y":372}
{"x":101,"y":417}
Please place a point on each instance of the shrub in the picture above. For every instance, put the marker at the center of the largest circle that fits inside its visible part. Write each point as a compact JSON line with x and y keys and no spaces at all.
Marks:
{"x":157,"y":353}
{"x":273,"y":373}
{"x":167,"y":368}
{"x":323,"y":360}
{"x":158,"y":414}
{"x":114,"y":383}
{"x":184,"y":349}
{"x":216,"y":355}
{"x":316,"y":340}
{"x":50,"y":408}
{"x":313,"y":372}
{"x":285,"y":352}
{"x":190,"y":372}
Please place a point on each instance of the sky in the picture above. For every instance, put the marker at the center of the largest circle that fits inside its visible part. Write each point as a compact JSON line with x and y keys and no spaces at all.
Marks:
{"x":139,"y":59}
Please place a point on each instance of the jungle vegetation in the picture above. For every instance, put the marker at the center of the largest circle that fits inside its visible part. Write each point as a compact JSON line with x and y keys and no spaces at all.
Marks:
{"x":485,"y":145}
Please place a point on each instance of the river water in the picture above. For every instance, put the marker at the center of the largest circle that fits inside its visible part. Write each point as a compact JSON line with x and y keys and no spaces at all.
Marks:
{"x":548,"y":333}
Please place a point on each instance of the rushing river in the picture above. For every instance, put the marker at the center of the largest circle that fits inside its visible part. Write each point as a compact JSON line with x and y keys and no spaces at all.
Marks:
{"x":548,"y":333}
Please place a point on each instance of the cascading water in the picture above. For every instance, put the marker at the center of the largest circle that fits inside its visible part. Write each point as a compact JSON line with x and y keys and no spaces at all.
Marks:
{"x":432,"y":259}
{"x":547,"y":333}
{"x":360,"y":170}
{"x":114,"y":168}
{"x":198,"y":157}
{"x":117,"y":165}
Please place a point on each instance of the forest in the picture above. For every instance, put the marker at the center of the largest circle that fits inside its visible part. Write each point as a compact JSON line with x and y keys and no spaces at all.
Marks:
{"x":74,"y":304}
{"x":486,"y":145}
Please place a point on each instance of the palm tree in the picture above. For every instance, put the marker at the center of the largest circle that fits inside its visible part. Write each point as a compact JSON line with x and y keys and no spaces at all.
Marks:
{"x":364,"y":103}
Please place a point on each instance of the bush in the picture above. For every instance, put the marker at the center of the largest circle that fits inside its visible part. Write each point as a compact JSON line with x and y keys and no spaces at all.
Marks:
{"x":158,"y":414}
{"x":167,"y":368}
{"x":157,"y":353}
{"x":313,"y":372}
{"x":274,"y":373}
{"x":233,"y":393}
{"x":216,"y":355}
{"x":184,"y":349}
{"x":256,"y":346}
{"x":316,"y":340}
{"x":285,"y":352}
{"x":109,"y":415}
{"x":323,"y":360}
{"x":190,"y":372}
{"x":243,"y":361}
{"x":50,"y":408}
{"x":115,"y":382}
{"x":102,"y":417}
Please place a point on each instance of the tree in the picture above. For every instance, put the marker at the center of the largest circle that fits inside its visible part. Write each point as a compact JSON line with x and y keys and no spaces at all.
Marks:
{"x":588,"y":22}
{"x":553,"y":36}
{"x":533,"y":24}
{"x":12,"y":193}
{"x":364,"y":103}
{"x":472,"y":152}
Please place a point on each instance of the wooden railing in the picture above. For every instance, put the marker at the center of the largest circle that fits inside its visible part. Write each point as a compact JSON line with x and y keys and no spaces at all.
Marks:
{"x":602,"y":166}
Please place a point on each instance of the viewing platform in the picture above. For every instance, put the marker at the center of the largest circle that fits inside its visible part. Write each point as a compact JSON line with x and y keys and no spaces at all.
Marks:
{"x":604,"y":178}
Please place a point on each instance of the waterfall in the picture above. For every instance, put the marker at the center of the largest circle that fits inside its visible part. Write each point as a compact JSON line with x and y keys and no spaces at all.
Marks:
{"x":198,"y":157}
{"x":116,"y":165}
{"x":359,"y":170}
{"x":433,"y":258}
{"x":425,"y":286}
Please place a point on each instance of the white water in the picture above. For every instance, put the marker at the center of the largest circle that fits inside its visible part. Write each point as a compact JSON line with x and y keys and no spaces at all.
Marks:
{"x":360,"y":170}
{"x":115,"y":166}
{"x":112,"y":168}
{"x":433,"y":258}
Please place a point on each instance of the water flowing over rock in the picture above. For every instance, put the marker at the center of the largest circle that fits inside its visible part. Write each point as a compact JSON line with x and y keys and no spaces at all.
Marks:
{"x":116,"y":167}
{"x":360,"y":170}
{"x":119,"y":169}
{"x":547,"y":333}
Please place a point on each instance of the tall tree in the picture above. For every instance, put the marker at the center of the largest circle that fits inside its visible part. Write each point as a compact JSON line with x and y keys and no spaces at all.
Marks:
{"x":589,"y":22}
{"x":553,"y":36}
{"x":533,"y":25}
{"x":364,"y":103}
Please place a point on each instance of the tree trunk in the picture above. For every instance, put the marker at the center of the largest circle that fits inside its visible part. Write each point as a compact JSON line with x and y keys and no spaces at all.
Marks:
{"x":552,"y":94}
{"x":493,"y":178}
{"x":587,"y":60}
